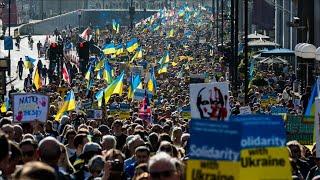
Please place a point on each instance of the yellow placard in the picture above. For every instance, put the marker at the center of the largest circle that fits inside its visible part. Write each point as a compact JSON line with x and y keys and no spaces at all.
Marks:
{"x":124,"y":114}
{"x":208,"y":169}
{"x":265,"y":163}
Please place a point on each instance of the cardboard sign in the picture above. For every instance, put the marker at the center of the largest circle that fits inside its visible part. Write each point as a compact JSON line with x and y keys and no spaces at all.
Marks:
{"x":245,"y":110}
{"x":186,"y":112}
{"x":197,"y":169}
{"x":29,"y":107}
{"x":124,"y":111}
{"x":265,"y":163}
{"x":300,"y":128}
{"x":94,"y":114}
{"x":210,"y":101}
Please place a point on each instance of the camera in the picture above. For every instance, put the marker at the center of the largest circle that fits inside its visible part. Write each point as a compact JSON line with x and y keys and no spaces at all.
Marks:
{"x":116,"y":165}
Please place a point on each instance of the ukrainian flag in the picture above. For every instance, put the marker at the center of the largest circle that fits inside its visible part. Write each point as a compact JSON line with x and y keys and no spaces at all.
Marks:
{"x":134,"y":57}
{"x":29,"y":62}
{"x":69,"y":104}
{"x":311,"y":108}
{"x":171,"y":33}
{"x":135,"y":84}
{"x":165,"y":59}
{"x":109,"y":49}
{"x":163,"y":69}
{"x":119,"y":49}
{"x":99,"y":96}
{"x":99,"y":65}
{"x":107,"y":72}
{"x":37,"y":80}
{"x":5,"y":105}
{"x":115,"y":87}
{"x":132,"y":45}
{"x":152,"y":83}
{"x":88,"y":73}
{"x":139,"y":53}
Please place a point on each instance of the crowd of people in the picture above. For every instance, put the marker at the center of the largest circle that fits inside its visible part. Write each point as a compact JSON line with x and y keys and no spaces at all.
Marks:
{"x":78,"y":147}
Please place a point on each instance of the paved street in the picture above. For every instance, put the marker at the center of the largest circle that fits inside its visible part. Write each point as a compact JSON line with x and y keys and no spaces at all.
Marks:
{"x":16,"y":55}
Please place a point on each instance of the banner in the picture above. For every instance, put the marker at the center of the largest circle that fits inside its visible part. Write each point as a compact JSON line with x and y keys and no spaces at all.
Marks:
{"x":265,"y":163}
{"x":210,"y":101}
{"x":113,"y":109}
{"x":29,"y":107}
{"x":279,"y":110}
{"x":300,"y":128}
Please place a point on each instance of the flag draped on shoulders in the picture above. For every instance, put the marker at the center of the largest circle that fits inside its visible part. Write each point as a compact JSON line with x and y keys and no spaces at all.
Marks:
{"x":69,"y":104}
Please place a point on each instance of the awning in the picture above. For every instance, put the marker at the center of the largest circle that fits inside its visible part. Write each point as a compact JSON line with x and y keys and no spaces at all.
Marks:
{"x":277,"y":52}
{"x":274,"y":60}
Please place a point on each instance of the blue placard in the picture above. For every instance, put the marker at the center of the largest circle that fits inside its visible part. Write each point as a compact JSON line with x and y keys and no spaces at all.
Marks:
{"x":214,"y":140}
{"x":279,"y":110}
{"x":8,"y":43}
{"x":261,"y":131}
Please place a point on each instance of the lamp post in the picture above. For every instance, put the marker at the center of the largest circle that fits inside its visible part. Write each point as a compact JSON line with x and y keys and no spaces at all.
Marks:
{"x":246,"y":50}
{"x":9,"y":25}
{"x":131,"y":14}
{"x":236,"y":42}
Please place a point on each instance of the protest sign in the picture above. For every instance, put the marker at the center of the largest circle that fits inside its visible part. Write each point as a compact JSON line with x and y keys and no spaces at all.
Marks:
{"x":278,"y":110}
{"x":300,"y":128}
{"x":29,"y":107}
{"x":139,"y":94}
{"x":113,"y":109}
{"x":94,"y":114}
{"x":210,"y":101}
{"x":265,"y":163}
{"x":197,"y":169}
{"x":136,"y":70}
{"x":245,"y":110}
{"x":186,"y":112}
{"x":214,"y":158}
{"x":124,"y":111}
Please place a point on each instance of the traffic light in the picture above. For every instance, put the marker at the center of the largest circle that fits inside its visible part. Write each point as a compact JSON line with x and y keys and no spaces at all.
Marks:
{"x":83,"y":50}
{"x":53,"y":51}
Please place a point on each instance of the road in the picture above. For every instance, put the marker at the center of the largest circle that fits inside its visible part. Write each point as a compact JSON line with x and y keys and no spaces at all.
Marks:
{"x":16,"y":55}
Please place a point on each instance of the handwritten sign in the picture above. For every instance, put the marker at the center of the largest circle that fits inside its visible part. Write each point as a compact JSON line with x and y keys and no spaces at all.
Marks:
{"x":29,"y":107}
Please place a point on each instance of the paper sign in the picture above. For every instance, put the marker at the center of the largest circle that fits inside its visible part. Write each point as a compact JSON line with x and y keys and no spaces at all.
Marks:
{"x":208,"y":140}
{"x":210,"y":101}
{"x":124,"y":111}
{"x":245,"y":110}
{"x":265,"y":163}
{"x":30,"y":107}
{"x":197,"y":169}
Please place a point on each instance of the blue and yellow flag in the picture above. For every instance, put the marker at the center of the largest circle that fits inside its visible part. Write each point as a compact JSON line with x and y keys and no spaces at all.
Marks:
{"x":69,"y":104}
{"x":132,"y":45}
{"x":5,"y":105}
{"x":163,"y":69}
{"x":109,"y":49}
{"x":115,"y":87}
{"x":88,"y":73}
{"x":165,"y":59}
{"x":37,"y":79}
{"x":99,"y":96}
{"x":135,"y":84}
{"x":119,"y":49}
{"x":99,"y":65}
{"x":139,"y":53}
{"x":29,"y":62}
{"x":152,"y":83}
{"x":311,"y":108}
{"x":108,"y":72}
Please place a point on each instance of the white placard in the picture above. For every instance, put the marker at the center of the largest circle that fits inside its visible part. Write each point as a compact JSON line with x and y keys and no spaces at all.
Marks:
{"x":210,"y":101}
{"x":245,"y":110}
{"x":30,"y":107}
